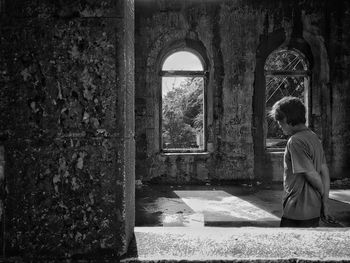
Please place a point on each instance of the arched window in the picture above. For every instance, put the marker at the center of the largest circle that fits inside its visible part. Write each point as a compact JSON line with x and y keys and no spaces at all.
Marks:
{"x":286,"y":74}
{"x":183,"y":102}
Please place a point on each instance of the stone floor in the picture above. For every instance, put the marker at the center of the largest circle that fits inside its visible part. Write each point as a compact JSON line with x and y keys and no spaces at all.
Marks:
{"x":224,"y":206}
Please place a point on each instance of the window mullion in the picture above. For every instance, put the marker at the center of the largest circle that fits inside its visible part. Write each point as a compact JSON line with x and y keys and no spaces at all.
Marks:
{"x":299,"y":73}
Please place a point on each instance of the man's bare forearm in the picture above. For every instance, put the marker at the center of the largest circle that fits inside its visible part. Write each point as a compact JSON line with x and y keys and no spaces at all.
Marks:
{"x":315,"y":180}
{"x":325,"y":181}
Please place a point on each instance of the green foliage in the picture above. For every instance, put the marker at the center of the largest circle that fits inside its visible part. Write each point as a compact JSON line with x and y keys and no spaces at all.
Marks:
{"x":182,"y":111}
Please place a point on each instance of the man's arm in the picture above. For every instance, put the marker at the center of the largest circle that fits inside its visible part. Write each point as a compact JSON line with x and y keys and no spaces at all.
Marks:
{"x":325,"y":180}
{"x":315,"y":180}
{"x":326,"y":183}
{"x":321,"y":183}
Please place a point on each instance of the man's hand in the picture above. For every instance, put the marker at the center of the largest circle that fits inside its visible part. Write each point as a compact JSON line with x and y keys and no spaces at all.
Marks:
{"x":326,"y":217}
{"x":324,"y":210}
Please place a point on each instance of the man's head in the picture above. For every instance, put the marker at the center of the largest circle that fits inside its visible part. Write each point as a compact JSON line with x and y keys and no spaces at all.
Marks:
{"x":288,"y":112}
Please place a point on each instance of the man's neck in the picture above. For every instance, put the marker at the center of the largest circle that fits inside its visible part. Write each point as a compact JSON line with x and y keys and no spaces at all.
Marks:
{"x":299,"y":127}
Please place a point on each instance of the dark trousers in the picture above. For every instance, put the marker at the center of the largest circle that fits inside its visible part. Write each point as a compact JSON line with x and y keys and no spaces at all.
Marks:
{"x":286,"y":222}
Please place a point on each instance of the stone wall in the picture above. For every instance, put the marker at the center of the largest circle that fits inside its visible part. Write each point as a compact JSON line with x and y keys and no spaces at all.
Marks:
{"x":237,"y":37}
{"x":2,"y":192}
{"x":66,"y":117}
{"x":229,"y":144}
{"x":339,"y":87}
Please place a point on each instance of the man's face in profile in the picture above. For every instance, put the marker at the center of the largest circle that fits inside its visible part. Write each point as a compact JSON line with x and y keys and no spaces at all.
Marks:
{"x":286,"y":128}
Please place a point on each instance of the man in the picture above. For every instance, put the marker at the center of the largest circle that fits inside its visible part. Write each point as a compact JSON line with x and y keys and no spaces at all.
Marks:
{"x":306,"y":176}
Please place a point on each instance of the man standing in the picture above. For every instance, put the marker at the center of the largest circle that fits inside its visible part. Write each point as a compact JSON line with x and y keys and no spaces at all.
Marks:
{"x":306,"y":176}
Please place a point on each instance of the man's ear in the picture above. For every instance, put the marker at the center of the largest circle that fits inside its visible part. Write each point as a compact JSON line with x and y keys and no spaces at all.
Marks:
{"x":289,"y":123}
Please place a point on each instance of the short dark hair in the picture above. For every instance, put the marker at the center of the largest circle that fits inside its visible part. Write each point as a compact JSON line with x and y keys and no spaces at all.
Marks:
{"x":291,"y":108}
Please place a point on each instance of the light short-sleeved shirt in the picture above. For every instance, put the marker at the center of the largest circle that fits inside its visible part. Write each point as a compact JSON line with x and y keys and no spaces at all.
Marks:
{"x":303,"y":153}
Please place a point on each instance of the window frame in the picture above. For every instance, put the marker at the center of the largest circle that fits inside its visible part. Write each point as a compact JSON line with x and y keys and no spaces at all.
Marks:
{"x":184,"y":73}
{"x":289,"y":73}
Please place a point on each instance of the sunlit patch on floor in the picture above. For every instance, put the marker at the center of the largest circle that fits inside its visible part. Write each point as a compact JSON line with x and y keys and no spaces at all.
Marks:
{"x":220,"y":207}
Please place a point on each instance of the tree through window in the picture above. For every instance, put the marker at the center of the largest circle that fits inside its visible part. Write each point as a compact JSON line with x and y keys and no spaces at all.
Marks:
{"x":286,"y":73}
{"x":183,"y":101}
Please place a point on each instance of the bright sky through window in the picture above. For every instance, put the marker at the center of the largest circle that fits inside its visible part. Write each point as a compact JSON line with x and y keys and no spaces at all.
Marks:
{"x":182,"y":60}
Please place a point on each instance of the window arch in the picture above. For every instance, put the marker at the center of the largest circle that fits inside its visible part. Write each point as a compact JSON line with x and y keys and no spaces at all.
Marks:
{"x":183,"y":102}
{"x":286,"y":74}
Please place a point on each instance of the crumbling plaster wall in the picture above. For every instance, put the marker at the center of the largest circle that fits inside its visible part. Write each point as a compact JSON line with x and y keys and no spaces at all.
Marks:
{"x":339,"y":86}
{"x":323,"y":30}
{"x":232,"y":33}
{"x":66,"y":121}
{"x":299,"y":28}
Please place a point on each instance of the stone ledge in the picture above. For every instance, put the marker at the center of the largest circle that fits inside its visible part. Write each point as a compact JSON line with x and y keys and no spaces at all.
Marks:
{"x":185,"y":153}
{"x":291,"y":260}
{"x":247,"y":244}
{"x":234,"y":245}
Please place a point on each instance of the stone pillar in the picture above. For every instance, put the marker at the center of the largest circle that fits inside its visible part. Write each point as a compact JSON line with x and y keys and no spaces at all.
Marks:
{"x":66,"y":107}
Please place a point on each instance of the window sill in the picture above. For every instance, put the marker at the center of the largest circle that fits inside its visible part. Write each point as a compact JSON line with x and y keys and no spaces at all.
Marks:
{"x":185,"y":153}
{"x":274,"y":150}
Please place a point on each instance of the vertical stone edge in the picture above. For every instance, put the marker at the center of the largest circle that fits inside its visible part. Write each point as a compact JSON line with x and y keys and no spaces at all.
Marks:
{"x":126,"y":127}
{"x":2,"y":198}
{"x":130,"y":119}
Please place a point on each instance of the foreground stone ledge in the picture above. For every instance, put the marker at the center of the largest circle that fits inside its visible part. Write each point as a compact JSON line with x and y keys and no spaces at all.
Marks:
{"x":237,"y":245}
{"x":217,"y":244}
{"x":291,"y":260}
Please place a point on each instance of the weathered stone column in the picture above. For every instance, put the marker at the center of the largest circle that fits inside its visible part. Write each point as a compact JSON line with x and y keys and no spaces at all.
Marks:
{"x":66,"y":108}
{"x":126,"y":123}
